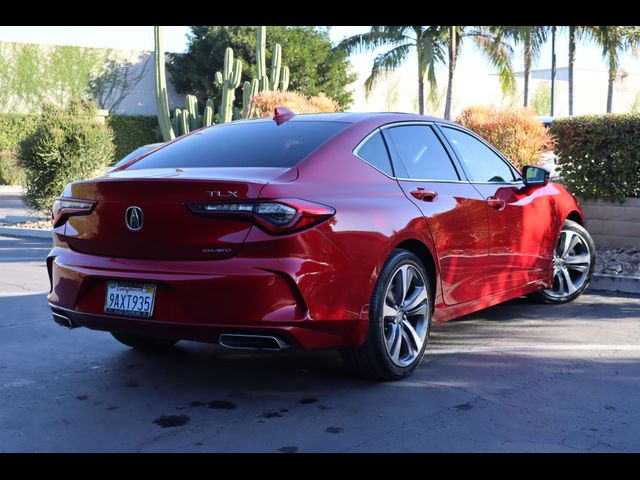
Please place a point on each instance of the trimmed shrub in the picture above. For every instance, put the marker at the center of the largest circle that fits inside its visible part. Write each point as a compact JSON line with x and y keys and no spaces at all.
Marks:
{"x":516,"y":132}
{"x":599,"y":155}
{"x":13,"y":129}
{"x":132,"y":131}
{"x":67,"y":145}
{"x":264,"y":102}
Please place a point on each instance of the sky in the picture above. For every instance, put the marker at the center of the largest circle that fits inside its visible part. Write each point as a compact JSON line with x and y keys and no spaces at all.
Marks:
{"x":175,"y":40}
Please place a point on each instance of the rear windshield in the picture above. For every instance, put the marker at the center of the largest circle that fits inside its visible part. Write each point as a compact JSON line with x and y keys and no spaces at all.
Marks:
{"x":246,"y":144}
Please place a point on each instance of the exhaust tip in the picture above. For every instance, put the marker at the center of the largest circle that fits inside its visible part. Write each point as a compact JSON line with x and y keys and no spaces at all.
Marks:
{"x":252,"y":342}
{"x":63,"y":320}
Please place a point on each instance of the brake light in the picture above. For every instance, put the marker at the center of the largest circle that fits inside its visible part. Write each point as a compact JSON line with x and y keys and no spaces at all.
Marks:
{"x":63,"y":208}
{"x":280,"y":216}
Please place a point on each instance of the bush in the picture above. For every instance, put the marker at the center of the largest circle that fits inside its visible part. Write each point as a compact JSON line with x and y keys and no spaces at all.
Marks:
{"x":133,"y":131}
{"x":599,"y":155}
{"x":264,"y":102}
{"x":67,"y":145}
{"x":516,"y":132}
{"x":13,"y":129}
{"x":11,"y":173}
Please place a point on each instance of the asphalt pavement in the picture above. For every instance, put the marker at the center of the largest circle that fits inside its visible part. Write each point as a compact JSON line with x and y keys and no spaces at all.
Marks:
{"x":514,"y":377}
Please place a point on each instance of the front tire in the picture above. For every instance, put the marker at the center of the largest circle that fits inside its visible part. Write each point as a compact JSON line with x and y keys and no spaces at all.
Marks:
{"x":145,"y":343}
{"x":399,"y":321}
{"x":573,"y":263}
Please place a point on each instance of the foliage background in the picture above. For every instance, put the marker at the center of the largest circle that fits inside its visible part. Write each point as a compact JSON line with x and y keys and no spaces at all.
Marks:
{"x":307,"y":51}
{"x":599,"y":155}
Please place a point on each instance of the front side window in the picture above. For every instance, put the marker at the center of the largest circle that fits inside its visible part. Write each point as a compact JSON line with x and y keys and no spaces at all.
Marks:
{"x":482,"y":163}
{"x":374,"y":152}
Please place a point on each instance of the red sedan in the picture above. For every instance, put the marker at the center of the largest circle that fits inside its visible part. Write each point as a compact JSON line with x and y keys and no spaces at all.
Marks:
{"x":356,"y":231}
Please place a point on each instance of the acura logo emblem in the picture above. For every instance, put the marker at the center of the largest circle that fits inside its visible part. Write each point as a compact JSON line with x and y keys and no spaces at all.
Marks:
{"x":133,"y":218}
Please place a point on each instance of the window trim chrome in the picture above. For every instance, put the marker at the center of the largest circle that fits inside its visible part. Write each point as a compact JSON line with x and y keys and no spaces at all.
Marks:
{"x":365,"y":140}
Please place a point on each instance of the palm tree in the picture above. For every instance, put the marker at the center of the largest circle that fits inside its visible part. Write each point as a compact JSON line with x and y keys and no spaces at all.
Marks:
{"x":574,"y":34}
{"x":403,"y":40}
{"x":614,"y":40}
{"x":491,"y":42}
{"x":532,"y":39}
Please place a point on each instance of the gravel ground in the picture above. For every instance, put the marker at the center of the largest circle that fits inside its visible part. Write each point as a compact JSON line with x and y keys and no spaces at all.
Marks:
{"x":38,"y":225}
{"x":618,"y":261}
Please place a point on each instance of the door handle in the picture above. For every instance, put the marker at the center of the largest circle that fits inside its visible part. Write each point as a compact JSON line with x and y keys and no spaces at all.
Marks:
{"x":424,"y":194}
{"x":495,"y":202}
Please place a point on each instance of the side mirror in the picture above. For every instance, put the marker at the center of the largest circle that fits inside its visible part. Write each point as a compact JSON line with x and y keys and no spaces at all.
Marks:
{"x":535,"y":175}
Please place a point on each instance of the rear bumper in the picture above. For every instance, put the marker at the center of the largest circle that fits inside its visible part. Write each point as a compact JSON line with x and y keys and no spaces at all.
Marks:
{"x":199,"y":300}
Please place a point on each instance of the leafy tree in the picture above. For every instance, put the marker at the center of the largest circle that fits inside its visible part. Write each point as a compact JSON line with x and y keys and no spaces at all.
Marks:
{"x":307,"y":51}
{"x":426,"y":41}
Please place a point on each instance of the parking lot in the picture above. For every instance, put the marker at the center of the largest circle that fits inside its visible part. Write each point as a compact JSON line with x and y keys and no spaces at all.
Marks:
{"x":515,"y":377}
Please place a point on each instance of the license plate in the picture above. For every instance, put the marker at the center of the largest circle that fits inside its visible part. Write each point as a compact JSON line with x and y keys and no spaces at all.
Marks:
{"x":130,"y":299}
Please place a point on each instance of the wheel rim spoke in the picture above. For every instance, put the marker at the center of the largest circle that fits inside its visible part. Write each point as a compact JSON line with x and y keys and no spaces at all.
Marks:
{"x":396,"y":343}
{"x":578,"y":262}
{"x":388,"y":311}
{"x":413,"y":302}
{"x":413,"y":338}
{"x":568,"y":281}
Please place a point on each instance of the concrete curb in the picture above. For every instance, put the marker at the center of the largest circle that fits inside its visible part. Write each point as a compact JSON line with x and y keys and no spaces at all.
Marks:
{"x":11,"y":189}
{"x":25,"y":232}
{"x":615,"y":283}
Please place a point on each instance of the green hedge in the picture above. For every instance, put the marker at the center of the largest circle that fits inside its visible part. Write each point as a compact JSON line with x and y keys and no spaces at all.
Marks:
{"x":130,"y":132}
{"x":600,"y":155}
{"x":133,"y":131}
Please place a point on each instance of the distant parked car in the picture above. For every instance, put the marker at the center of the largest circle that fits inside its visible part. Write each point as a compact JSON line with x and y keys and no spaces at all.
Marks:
{"x":136,"y":153}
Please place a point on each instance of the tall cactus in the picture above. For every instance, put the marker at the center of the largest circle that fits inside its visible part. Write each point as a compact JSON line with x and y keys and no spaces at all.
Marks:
{"x":162,"y":101}
{"x":207,"y":117}
{"x":249,"y":89}
{"x":279,"y":78}
{"x":229,"y":80}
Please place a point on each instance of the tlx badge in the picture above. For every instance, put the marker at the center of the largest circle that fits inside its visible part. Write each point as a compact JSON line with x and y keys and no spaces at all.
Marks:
{"x":222,"y":193}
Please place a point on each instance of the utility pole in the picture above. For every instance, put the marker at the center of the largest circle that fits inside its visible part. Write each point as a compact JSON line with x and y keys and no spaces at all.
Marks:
{"x":553,"y":69}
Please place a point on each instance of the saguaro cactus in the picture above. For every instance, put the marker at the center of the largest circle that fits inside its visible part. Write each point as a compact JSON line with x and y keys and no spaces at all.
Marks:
{"x":279,"y":78}
{"x":249,"y":89}
{"x":229,"y":80}
{"x":162,"y":101}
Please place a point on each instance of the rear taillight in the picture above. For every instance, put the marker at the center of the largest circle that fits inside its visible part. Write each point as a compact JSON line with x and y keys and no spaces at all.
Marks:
{"x":63,"y":208}
{"x":279,"y":216}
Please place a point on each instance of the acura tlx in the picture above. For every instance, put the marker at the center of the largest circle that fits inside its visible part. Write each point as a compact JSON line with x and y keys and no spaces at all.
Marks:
{"x":348,"y":230}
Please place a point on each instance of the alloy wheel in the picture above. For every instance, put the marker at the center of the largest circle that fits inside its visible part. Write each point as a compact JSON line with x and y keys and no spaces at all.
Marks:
{"x":571,"y":264}
{"x":405,"y":315}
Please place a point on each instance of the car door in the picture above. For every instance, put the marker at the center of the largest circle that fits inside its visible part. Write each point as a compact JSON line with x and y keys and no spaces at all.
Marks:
{"x":455,"y":211}
{"x":519,"y":222}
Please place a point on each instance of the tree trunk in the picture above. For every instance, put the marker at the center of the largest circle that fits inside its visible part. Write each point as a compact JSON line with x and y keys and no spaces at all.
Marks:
{"x":453,"y":47}
{"x":420,"y":81}
{"x":527,"y":68}
{"x":612,"y":78}
{"x":572,"y":60}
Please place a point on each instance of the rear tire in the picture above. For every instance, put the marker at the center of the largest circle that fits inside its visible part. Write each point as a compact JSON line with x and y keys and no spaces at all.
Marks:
{"x":573,"y":264}
{"x":399,"y":321}
{"x":145,"y":343}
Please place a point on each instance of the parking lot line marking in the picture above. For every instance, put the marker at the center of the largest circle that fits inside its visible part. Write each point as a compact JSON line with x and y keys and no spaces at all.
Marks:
{"x":537,"y":348}
{"x":21,"y":293}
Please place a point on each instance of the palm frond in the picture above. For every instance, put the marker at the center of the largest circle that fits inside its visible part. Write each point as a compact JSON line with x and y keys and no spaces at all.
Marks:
{"x":386,"y":61}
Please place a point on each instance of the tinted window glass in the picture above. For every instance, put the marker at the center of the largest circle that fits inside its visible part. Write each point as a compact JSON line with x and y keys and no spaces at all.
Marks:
{"x":374,"y":152}
{"x":255,"y":143}
{"x":481,"y":162}
{"x":421,"y":153}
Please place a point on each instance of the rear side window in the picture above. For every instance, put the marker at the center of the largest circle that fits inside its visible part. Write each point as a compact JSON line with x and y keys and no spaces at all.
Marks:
{"x":421,"y":153}
{"x":374,"y":152}
{"x":256,"y":143}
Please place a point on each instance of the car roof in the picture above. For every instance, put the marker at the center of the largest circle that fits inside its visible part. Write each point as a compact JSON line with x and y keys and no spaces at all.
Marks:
{"x":357,"y":117}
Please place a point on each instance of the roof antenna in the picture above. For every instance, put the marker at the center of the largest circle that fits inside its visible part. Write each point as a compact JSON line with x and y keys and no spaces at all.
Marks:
{"x":282,"y":114}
